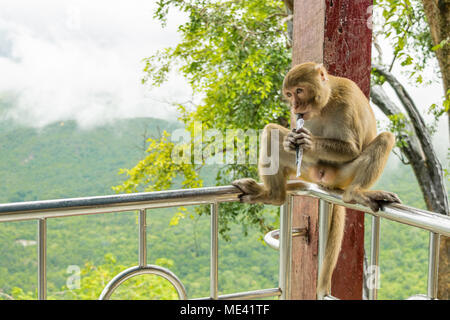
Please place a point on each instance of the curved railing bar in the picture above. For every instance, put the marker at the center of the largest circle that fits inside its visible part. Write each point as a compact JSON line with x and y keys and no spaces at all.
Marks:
{"x":140,"y":270}
{"x":271,"y":238}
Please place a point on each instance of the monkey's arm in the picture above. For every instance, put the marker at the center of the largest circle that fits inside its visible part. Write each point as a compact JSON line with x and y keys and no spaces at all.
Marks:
{"x":321,"y":148}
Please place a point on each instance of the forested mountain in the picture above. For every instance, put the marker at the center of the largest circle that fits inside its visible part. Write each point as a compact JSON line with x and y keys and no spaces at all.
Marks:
{"x":61,"y":160}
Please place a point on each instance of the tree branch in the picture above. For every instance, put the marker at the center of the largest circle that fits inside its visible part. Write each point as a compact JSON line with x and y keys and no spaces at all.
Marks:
{"x":419,"y":150}
{"x":411,"y":148}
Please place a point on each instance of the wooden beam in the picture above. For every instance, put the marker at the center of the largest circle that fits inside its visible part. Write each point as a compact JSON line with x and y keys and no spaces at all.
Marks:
{"x":304,"y":249}
{"x":308,"y":31}
{"x":336,"y":33}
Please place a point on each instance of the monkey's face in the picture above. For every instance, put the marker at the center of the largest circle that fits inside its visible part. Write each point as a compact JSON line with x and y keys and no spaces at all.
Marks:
{"x":306,"y":89}
{"x":301,"y":99}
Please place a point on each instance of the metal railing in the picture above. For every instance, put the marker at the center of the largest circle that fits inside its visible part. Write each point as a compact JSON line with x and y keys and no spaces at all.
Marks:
{"x":436,"y":224}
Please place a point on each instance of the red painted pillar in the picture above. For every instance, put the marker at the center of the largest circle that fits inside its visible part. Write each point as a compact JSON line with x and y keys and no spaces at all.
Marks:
{"x":338,"y":34}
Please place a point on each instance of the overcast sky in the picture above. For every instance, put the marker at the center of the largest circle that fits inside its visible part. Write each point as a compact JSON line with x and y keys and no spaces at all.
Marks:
{"x":81,"y":59}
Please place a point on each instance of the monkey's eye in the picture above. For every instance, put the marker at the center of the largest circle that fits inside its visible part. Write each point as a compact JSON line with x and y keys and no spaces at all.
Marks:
{"x":299,"y":90}
{"x":289,"y":94}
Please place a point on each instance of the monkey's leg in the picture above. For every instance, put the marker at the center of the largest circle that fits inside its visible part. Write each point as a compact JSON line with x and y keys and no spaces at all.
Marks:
{"x":366,"y":169}
{"x":274,"y":165}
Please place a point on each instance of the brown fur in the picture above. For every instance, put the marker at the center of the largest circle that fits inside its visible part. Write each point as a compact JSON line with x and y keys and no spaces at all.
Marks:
{"x":341,"y":150}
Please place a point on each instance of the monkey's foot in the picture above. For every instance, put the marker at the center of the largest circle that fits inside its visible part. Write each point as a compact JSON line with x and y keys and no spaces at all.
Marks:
{"x":374,"y":199}
{"x":252,"y":192}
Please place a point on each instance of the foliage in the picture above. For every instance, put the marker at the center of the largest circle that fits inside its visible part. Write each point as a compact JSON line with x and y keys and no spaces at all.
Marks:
{"x":404,"y":26}
{"x":438,"y":111}
{"x":234,"y":54}
{"x":398,"y":126}
{"x":157,"y":170}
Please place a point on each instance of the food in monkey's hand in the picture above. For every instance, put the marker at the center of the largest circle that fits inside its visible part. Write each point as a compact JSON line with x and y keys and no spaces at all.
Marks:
{"x":299,"y":150}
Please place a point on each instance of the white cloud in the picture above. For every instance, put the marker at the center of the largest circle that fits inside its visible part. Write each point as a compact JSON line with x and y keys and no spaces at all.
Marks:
{"x":82,"y":60}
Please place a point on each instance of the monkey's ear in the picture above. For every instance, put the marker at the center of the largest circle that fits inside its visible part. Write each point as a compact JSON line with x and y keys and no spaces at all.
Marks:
{"x":322,"y":72}
{"x":323,"y":75}
{"x":319,"y":66}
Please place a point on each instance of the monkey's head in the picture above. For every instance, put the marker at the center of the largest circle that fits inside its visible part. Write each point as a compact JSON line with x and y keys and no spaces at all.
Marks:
{"x":306,"y":89}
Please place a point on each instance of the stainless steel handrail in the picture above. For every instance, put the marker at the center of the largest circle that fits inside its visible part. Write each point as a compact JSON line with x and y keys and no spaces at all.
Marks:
{"x":437,"y":224}
{"x":423,"y":219}
{"x":115,"y":203}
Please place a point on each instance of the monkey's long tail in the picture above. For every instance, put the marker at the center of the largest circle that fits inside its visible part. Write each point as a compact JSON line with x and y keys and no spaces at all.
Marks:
{"x":333,"y":247}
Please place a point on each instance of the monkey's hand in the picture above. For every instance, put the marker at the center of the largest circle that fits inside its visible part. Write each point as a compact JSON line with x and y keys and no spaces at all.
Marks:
{"x":289,"y":143}
{"x":299,"y":138}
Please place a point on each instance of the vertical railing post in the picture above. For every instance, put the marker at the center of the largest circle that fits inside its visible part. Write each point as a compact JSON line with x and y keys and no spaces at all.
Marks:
{"x":42,"y":259}
{"x":214,"y":262}
{"x":433,"y":265}
{"x":285,"y":249}
{"x":142,"y":238}
{"x":374,"y":258}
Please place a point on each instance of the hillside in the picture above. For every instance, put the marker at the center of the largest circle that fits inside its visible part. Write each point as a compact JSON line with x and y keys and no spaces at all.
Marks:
{"x":61,"y":161}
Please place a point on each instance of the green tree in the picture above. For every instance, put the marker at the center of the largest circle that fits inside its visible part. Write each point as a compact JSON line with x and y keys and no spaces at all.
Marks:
{"x":234,"y":55}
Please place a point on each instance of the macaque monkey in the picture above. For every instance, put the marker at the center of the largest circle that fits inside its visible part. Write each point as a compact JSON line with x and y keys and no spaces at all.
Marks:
{"x":341,"y":150}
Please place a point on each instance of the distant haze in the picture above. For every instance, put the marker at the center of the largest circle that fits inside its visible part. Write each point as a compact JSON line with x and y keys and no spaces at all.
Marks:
{"x":82,"y":60}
